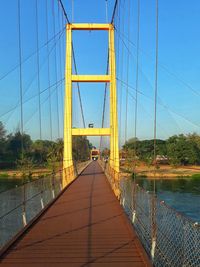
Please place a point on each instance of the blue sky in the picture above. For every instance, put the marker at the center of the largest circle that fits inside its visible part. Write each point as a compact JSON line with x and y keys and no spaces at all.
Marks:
{"x":178,"y":76}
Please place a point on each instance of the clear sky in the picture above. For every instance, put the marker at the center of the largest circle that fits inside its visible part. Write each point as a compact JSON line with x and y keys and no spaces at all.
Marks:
{"x":178,"y":73}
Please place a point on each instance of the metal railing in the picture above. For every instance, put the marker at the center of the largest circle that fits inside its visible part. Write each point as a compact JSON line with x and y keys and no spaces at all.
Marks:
{"x":176,"y":240}
{"x":169,"y":238}
{"x":20,"y":205}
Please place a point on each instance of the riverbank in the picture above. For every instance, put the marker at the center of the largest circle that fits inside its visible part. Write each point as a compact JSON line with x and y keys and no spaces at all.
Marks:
{"x":37,"y":172}
{"x":18,"y":174}
{"x":164,"y":171}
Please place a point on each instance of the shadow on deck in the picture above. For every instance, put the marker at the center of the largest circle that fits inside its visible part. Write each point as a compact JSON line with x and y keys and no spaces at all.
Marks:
{"x":86,"y":226}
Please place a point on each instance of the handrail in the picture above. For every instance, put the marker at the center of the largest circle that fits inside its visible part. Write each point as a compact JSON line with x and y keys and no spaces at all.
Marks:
{"x":175,"y":242}
{"x":47,"y":188}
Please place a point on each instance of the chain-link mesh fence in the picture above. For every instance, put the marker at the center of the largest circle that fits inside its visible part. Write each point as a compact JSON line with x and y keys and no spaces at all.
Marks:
{"x":170,"y":238}
{"x":18,"y":206}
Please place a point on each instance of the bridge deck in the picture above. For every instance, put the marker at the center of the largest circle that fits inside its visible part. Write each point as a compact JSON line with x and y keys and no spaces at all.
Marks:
{"x":85,"y":227}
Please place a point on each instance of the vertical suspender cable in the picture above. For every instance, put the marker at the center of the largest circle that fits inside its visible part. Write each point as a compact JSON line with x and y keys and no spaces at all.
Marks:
{"x":121,"y":74}
{"x":106,"y":4}
{"x":78,"y":86}
{"x":136,"y":113}
{"x":118,"y":22}
{"x":106,"y":85}
{"x":118,"y":47}
{"x":153,"y":215}
{"x":127,"y":78}
{"x":20,"y":80}
{"x":48,"y":72}
{"x":63,"y":23}
{"x":21,"y":107}
{"x":118,"y":40}
{"x":60,"y":62}
{"x":75,"y":67}
{"x":156,"y":84}
{"x":38,"y":67}
{"x":104,"y":103}
{"x":72,"y":11}
{"x":136,"y":91}
{"x":56,"y":78}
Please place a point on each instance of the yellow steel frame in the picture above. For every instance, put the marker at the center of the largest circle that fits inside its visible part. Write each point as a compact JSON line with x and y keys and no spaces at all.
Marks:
{"x":111,"y":78}
{"x":91,"y":131}
{"x":91,"y":78}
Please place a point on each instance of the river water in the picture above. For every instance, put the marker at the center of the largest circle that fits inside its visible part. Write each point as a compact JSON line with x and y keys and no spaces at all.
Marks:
{"x":181,"y":194}
{"x":6,"y":184}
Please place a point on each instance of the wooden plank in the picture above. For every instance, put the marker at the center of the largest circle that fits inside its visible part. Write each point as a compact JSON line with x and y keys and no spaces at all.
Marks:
{"x":85,"y":226}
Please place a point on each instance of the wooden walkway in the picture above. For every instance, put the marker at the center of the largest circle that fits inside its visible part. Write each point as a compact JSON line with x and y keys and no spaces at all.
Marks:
{"x":85,"y":227}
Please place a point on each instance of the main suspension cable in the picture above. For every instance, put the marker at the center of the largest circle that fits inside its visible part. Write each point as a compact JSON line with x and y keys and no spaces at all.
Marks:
{"x":114,"y":11}
{"x":63,"y":9}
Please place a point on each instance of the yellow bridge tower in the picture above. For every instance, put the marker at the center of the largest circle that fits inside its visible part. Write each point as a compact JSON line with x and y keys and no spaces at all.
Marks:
{"x":112,"y":131}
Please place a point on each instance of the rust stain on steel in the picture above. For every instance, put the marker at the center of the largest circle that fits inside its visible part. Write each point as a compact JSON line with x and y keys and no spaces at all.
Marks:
{"x":86,"y":226}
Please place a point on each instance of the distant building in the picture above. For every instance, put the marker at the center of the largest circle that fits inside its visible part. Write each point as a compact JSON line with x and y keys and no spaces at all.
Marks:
{"x":161,"y":159}
{"x":94,"y":154}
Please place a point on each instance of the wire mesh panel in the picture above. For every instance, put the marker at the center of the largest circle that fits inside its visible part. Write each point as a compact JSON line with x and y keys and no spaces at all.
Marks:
{"x":191,"y":245}
{"x":10,"y":225}
{"x":47,"y":194}
{"x":126,"y":199}
{"x":177,"y":238}
{"x":170,"y":236}
{"x":20,"y":205}
{"x":142,"y":222}
{"x":10,"y":211}
{"x":57,"y":184}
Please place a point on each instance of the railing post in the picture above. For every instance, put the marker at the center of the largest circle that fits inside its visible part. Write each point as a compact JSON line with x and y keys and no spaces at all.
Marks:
{"x":53,"y":185}
{"x":153,"y":226}
{"x":24,"y":205}
{"x":60,"y":179}
{"x":75,"y":168}
{"x":41,"y":193}
{"x":133,"y":201}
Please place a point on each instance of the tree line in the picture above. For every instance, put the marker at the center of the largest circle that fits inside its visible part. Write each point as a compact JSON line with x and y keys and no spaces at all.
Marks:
{"x":178,"y":149}
{"x":18,"y":149}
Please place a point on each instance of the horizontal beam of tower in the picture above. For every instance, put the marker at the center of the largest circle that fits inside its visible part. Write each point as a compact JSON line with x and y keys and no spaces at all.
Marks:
{"x":91,"y":78}
{"x":90,"y":26}
{"x":91,"y":131}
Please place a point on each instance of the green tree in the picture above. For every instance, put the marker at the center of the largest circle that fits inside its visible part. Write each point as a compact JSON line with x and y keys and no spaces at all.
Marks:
{"x":182,"y":150}
{"x":81,"y":148}
{"x":16,"y":142}
{"x":145,"y":148}
{"x":40,"y":150}
{"x":2,"y":131}
{"x":2,"y":141}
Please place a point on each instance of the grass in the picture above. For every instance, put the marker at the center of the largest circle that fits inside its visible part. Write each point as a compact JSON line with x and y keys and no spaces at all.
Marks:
{"x":4,"y":175}
{"x":196,"y":176}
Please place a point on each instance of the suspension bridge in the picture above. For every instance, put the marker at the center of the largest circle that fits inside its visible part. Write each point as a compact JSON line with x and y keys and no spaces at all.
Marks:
{"x":84,"y":212}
